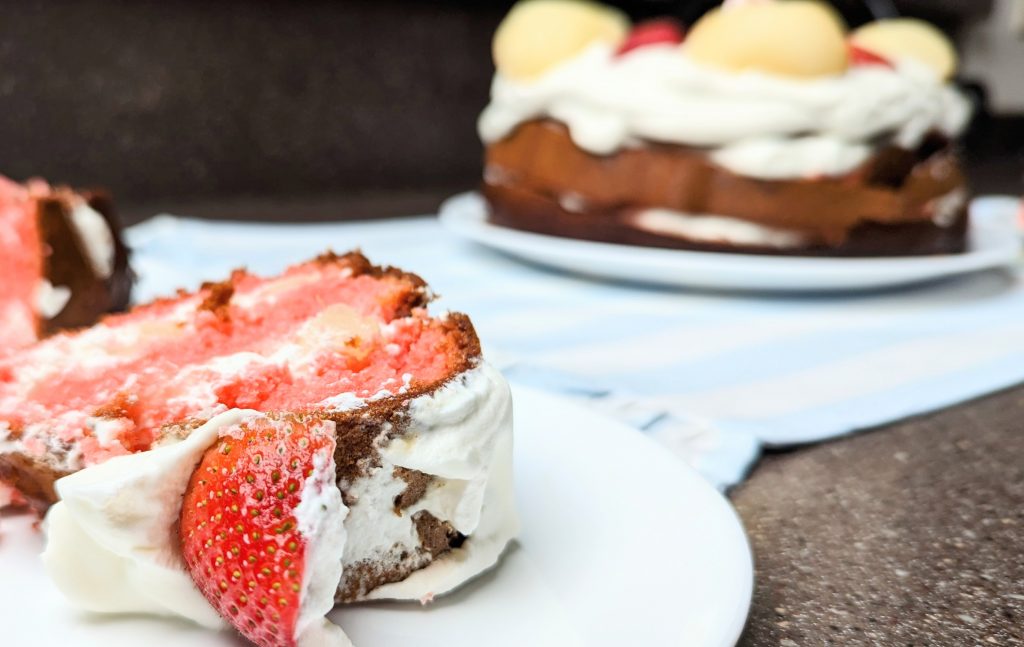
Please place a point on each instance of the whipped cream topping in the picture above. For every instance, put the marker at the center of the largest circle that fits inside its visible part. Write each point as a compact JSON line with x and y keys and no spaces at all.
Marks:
{"x":95,"y":234}
{"x":750,"y":119}
{"x":777,"y":158}
{"x":109,"y":548}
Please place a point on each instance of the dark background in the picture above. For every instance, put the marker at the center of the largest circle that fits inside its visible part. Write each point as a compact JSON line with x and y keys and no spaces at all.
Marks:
{"x":301,"y":109}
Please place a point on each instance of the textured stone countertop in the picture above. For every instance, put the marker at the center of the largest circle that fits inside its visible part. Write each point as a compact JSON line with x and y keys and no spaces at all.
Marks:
{"x":911,"y":534}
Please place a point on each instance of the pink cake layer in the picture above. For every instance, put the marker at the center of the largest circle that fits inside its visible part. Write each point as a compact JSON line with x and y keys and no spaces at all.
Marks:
{"x":311,"y":339}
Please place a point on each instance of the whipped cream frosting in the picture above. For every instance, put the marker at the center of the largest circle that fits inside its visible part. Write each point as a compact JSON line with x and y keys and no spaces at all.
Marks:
{"x":715,"y":229}
{"x":112,"y":523}
{"x":95,"y":234}
{"x":750,"y":120}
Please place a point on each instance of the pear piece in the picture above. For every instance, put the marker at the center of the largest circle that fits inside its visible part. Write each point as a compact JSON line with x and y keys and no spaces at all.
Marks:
{"x":898,"y":38}
{"x":795,"y":38}
{"x":536,"y":35}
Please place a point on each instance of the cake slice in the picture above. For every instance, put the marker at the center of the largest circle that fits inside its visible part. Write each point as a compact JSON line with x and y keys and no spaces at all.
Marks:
{"x":422,"y":425}
{"x":62,"y":260}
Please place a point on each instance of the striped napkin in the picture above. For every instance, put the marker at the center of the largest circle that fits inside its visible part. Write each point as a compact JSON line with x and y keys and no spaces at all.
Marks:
{"x":714,"y":378}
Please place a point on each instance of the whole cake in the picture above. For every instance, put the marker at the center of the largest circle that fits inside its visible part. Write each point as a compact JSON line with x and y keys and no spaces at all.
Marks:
{"x":61,"y":258}
{"x":766,"y":128}
{"x":299,"y":439}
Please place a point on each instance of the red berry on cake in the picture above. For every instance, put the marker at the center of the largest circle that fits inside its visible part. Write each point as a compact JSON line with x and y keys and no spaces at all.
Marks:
{"x":252,"y":527}
{"x":861,"y":57}
{"x":662,"y":31}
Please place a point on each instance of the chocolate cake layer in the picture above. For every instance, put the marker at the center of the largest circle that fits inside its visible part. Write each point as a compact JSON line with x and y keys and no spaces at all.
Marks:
{"x":898,"y":203}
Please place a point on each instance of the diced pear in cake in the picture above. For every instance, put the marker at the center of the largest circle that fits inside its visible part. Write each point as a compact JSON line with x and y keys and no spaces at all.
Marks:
{"x":797,"y":38}
{"x":898,"y":38}
{"x":537,"y":35}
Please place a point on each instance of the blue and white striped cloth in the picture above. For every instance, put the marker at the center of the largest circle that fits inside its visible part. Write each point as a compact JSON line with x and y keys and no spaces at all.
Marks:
{"x":712,"y":377}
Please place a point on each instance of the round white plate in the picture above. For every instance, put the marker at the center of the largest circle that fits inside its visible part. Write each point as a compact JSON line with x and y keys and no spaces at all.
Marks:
{"x":993,"y":242}
{"x":621,"y":545}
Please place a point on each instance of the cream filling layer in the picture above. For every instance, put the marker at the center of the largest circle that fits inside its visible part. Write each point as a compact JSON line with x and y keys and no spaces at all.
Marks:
{"x":95,"y":234}
{"x":748,"y":121}
{"x":715,"y":229}
{"x":461,"y":435}
{"x":779,"y":158}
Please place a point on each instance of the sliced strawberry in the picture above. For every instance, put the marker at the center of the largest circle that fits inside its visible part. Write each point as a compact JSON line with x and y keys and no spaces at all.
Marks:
{"x":239,"y":533}
{"x":861,"y":57}
{"x":652,"y":32}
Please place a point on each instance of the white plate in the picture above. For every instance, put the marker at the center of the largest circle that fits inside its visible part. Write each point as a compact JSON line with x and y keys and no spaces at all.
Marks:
{"x":993,"y":242}
{"x":621,"y":545}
